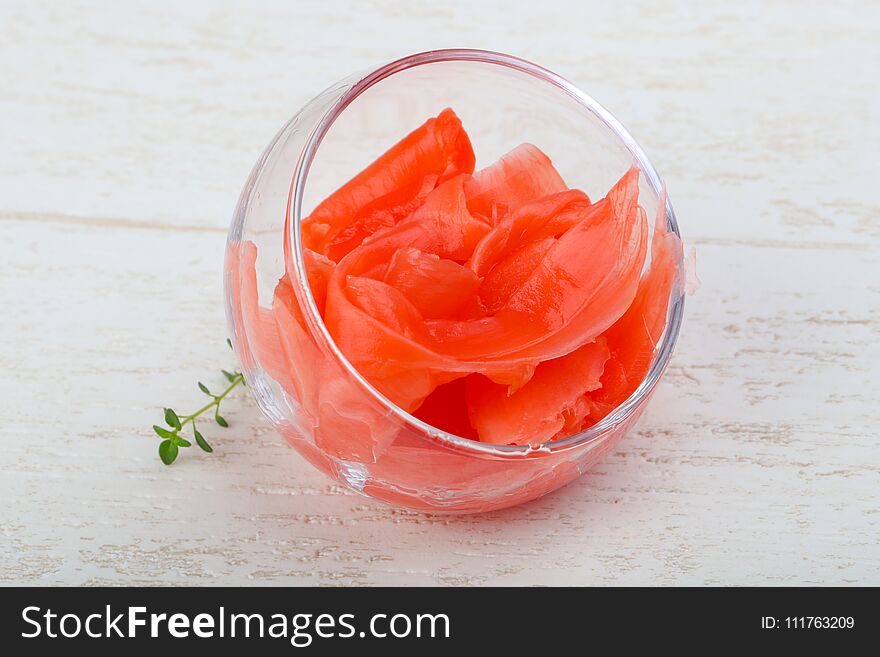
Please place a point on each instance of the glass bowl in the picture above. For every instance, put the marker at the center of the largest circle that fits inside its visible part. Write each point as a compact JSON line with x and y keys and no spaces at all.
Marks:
{"x":321,"y":405}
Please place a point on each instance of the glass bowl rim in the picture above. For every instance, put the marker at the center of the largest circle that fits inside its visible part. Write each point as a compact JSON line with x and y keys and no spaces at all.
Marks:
{"x":622,"y":412}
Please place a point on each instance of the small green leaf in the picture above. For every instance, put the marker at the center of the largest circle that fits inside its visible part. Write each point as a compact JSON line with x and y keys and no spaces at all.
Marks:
{"x":201,"y":442}
{"x":167,"y":452}
{"x":182,"y":442}
{"x":163,"y":433}
{"x":171,"y":418}
{"x":221,"y":420}
{"x":229,"y":342}
{"x":229,"y":375}
{"x":204,"y":388}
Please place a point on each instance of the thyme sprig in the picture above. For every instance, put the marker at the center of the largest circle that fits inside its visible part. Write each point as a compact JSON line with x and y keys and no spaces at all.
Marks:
{"x":172,"y":441}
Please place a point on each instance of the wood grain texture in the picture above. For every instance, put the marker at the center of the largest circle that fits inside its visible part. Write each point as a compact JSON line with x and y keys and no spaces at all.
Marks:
{"x":126,"y":132}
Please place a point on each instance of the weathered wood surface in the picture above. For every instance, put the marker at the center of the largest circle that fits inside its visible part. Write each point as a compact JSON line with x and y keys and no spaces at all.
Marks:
{"x":126,"y":132}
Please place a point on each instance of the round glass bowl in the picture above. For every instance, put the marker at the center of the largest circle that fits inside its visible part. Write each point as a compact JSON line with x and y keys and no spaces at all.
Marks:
{"x":322,"y":406}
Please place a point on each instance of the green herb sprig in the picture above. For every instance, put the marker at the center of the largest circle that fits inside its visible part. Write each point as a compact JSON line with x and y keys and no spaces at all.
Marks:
{"x":172,"y":441}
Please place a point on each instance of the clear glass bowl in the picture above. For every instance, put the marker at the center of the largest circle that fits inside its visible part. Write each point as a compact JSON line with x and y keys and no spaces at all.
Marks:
{"x":366,"y":442}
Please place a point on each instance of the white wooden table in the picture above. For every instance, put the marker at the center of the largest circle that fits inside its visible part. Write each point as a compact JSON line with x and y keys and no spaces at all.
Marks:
{"x":126,"y":132}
